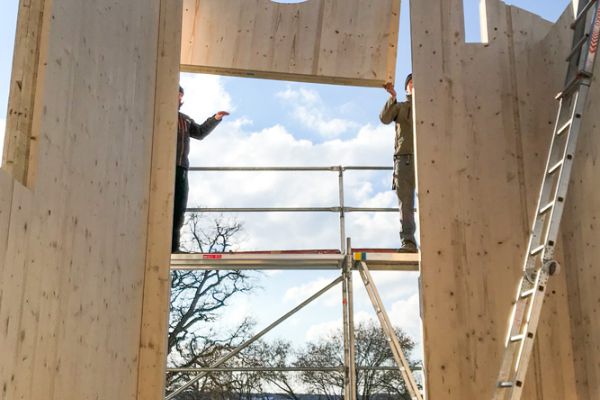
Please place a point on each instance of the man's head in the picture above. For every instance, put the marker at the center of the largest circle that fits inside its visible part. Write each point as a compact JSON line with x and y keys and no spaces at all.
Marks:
{"x":181,"y":92}
{"x":408,"y":84}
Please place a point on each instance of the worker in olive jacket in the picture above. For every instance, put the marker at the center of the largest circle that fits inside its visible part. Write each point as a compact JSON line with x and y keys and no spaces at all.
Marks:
{"x":404,"y":171}
{"x":186,"y":128}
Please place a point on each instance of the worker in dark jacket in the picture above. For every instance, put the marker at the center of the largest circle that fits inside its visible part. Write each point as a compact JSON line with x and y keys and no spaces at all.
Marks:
{"x":186,"y":128}
{"x":404,"y":171}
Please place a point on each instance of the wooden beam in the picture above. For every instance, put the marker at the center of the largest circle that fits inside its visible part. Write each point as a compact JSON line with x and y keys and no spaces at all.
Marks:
{"x":23,"y":84}
{"x":349,"y":42}
{"x":156,"y":289}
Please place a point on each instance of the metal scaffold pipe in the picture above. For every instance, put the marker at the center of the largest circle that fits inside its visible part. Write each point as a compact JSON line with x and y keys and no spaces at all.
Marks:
{"x":253,"y":339}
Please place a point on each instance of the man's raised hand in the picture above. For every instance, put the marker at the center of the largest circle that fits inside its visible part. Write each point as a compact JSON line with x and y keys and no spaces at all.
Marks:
{"x":219,"y":115}
{"x":389,"y":87}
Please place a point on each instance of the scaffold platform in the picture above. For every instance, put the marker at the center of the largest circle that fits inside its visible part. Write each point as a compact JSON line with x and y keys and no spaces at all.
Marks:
{"x":378,"y":259}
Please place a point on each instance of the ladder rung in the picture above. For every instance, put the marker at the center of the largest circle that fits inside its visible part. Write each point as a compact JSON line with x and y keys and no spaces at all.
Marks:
{"x":572,"y":84}
{"x":537,"y":250}
{"x":505,"y":384}
{"x":578,"y":45}
{"x":555,"y":167}
{"x":517,"y":338}
{"x":582,"y":13}
{"x":527,"y":293}
{"x":546,"y":208}
{"x":564,"y":127}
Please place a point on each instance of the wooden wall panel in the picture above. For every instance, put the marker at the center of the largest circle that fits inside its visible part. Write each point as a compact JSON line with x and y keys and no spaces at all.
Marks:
{"x":13,"y":334}
{"x":22,"y":89}
{"x":483,"y":113}
{"x":6,"y":189}
{"x":74,"y":252}
{"x":157,"y":282}
{"x":326,"y":41}
{"x":581,"y":239}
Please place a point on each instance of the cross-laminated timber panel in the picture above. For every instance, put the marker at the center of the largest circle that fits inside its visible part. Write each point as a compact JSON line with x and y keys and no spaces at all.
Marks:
{"x":325,"y":41}
{"x":87,"y":198}
{"x":484,"y":115}
{"x":581,"y":249}
{"x":83,"y":254}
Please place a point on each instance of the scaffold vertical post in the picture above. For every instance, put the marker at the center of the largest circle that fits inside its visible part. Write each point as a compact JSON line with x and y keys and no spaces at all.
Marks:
{"x":348,"y":328}
{"x":342,"y":208}
{"x":349,"y":264}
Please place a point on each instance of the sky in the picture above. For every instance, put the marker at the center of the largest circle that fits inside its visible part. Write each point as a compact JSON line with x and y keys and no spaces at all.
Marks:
{"x":276,"y":123}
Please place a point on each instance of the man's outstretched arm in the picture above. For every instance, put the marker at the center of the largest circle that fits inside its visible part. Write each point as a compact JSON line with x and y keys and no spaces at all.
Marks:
{"x":200,"y":131}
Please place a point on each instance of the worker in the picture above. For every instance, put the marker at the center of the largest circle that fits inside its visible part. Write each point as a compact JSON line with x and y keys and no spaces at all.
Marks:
{"x":404,"y":172}
{"x":186,"y":128}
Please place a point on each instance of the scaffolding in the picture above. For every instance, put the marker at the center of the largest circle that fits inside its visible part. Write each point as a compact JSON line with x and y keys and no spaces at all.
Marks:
{"x":346,"y":260}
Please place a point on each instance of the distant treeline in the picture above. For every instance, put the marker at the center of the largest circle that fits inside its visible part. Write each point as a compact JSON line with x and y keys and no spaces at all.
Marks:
{"x":271,"y":396}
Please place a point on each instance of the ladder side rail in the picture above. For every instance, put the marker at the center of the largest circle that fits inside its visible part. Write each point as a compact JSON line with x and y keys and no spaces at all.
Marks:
{"x":587,"y":62}
{"x":565,"y":173}
{"x":506,"y":372}
{"x":580,"y":29}
{"x":526,"y":345}
{"x":511,"y":377}
{"x":544,"y":194}
{"x":387,"y":327}
{"x":401,"y":362}
{"x":519,"y":311}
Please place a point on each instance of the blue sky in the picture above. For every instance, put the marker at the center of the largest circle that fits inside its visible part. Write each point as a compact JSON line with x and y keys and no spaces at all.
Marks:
{"x":286,"y":123}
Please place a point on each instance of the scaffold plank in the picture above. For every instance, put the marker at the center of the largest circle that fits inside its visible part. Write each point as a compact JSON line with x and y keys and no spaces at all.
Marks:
{"x":294,"y":259}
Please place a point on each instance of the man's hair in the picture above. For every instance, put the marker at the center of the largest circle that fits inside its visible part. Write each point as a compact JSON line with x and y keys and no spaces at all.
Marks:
{"x":408,"y":79}
{"x":181,"y":90}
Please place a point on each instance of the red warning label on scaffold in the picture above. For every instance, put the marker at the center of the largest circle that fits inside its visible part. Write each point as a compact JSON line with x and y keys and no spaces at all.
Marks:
{"x":212,"y":256}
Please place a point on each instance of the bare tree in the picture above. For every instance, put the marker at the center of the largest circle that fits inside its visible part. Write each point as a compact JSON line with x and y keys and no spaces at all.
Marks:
{"x":372,"y":350}
{"x":200,"y":297}
{"x":325,"y":352}
{"x":276,"y":354}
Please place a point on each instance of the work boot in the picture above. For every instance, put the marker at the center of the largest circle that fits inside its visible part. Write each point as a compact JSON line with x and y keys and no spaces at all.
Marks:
{"x":408,"y":246}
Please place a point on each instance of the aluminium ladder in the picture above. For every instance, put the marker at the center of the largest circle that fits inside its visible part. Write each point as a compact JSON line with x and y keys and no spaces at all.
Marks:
{"x":539,"y":263}
{"x":388,"y":330}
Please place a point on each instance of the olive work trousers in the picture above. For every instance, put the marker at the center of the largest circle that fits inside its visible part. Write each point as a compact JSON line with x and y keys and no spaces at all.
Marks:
{"x":404,"y":185}
{"x":179,"y":205}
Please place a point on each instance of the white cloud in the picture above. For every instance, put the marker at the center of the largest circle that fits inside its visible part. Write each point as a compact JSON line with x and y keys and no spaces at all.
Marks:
{"x":308,"y":108}
{"x":322,"y":329}
{"x":204,"y":96}
{"x":394,"y":285}
{"x":2,"y":131}
{"x":405,"y":314}
{"x":236,"y":312}
{"x":297,"y":294}
{"x":235,"y":143}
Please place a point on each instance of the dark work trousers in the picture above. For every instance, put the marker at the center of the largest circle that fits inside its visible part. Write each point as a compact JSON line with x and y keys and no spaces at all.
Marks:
{"x":404,"y":184}
{"x":179,"y":205}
